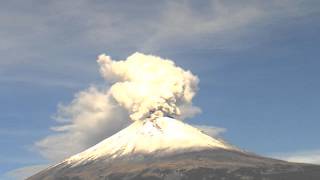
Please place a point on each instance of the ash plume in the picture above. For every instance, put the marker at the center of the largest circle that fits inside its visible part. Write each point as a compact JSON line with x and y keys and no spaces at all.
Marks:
{"x":149,"y":86}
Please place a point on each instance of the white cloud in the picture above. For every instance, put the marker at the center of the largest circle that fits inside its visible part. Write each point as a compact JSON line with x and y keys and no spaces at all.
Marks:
{"x":310,"y":156}
{"x":150,"y":86}
{"x":183,"y":23}
{"x":211,"y":130}
{"x":91,"y":117}
{"x":42,"y":81}
{"x":58,"y":30}
{"x":24,"y":172}
{"x":118,"y":26}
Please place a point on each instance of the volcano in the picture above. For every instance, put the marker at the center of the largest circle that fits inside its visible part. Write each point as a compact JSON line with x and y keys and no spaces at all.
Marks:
{"x":169,"y":149}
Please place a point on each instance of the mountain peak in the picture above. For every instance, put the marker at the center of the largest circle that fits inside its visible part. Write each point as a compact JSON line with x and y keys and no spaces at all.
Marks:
{"x":156,"y":137}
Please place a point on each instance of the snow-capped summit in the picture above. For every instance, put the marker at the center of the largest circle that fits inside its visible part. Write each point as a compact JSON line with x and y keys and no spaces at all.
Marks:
{"x":158,"y":137}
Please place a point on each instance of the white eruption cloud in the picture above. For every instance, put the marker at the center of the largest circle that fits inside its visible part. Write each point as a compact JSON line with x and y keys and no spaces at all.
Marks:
{"x":142,"y":87}
{"x":89,"y":118}
{"x":149,"y":86}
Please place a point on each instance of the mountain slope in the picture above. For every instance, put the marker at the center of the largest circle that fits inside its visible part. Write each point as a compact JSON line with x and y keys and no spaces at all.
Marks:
{"x":218,"y":164}
{"x":172,"y":150}
{"x":158,"y":137}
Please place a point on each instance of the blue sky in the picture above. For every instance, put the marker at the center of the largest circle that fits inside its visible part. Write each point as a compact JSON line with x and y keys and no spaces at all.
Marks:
{"x":258,"y":64}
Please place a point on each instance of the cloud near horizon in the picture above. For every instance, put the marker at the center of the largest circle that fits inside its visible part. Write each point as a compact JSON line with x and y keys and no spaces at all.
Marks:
{"x":307,"y":156}
{"x":24,"y":172}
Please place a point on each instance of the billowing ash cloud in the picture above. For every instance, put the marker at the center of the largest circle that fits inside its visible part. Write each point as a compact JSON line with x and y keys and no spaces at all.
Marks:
{"x":149,"y":86}
{"x":142,"y":87}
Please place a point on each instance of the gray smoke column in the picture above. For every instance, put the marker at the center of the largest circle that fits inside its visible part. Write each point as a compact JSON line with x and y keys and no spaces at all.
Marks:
{"x":149,"y":86}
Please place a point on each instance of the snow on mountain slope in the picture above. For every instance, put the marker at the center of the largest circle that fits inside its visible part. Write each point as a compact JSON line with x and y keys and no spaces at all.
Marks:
{"x":159,"y":137}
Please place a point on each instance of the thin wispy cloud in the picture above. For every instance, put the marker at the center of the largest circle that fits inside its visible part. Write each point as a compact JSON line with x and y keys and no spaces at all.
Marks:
{"x":24,"y":172}
{"x":58,"y":30}
{"x":49,"y":35}
{"x":60,"y":26}
{"x":42,"y":81}
{"x":307,"y":156}
{"x":211,"y":130}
